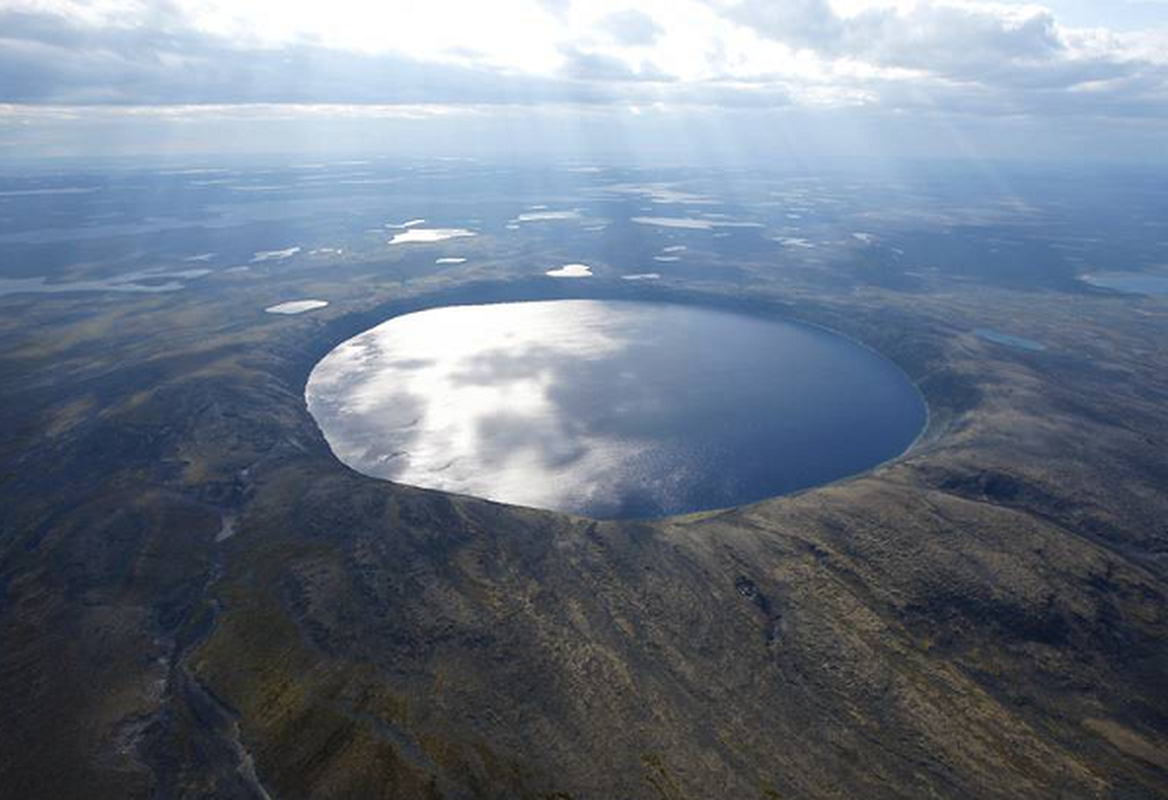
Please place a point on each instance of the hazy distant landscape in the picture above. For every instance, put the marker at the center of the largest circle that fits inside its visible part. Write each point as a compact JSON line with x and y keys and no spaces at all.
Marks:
{"x":567,"y":400}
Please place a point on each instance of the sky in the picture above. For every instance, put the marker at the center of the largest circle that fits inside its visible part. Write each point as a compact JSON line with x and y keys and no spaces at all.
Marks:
{"x":681,"y":80}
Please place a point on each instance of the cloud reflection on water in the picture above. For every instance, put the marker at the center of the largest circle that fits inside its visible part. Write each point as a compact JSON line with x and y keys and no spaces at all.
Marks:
{"x":606,"y":408}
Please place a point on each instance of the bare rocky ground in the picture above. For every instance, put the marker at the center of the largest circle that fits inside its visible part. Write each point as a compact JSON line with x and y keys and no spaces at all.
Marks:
{"x":198,"y":600}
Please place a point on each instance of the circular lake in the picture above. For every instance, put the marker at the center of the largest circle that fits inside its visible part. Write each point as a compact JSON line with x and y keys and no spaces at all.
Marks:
{"x":610,"y":409}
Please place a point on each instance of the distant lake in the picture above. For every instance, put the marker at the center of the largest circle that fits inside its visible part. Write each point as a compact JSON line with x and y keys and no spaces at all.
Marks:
{"x":610,"y":409}
{"x":1010,"y":340}
{"x":1129,"y":282}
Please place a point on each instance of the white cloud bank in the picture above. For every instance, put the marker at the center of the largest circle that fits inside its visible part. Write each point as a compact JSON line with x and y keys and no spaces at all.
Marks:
{"x":650,"y":66}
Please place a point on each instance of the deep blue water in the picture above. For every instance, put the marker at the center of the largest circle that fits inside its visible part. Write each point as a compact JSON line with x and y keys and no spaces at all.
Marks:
{"x":610,"y":409}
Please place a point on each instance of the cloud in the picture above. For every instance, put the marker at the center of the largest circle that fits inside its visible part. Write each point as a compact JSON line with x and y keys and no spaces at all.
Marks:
{"x":631,"y":28}
{"x":559,"y":8}
{"x":47,"y":59}
{"x":987,"y":44}
{"x":802,"y":23}
{"x":590,"y":66}
{"x":945,"y":63}
{"x":1002,"y":59}
{"x":957,"y":41}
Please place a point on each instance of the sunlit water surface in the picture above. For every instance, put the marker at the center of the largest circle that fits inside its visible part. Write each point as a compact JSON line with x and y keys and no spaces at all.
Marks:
{"x":608,"y":408}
